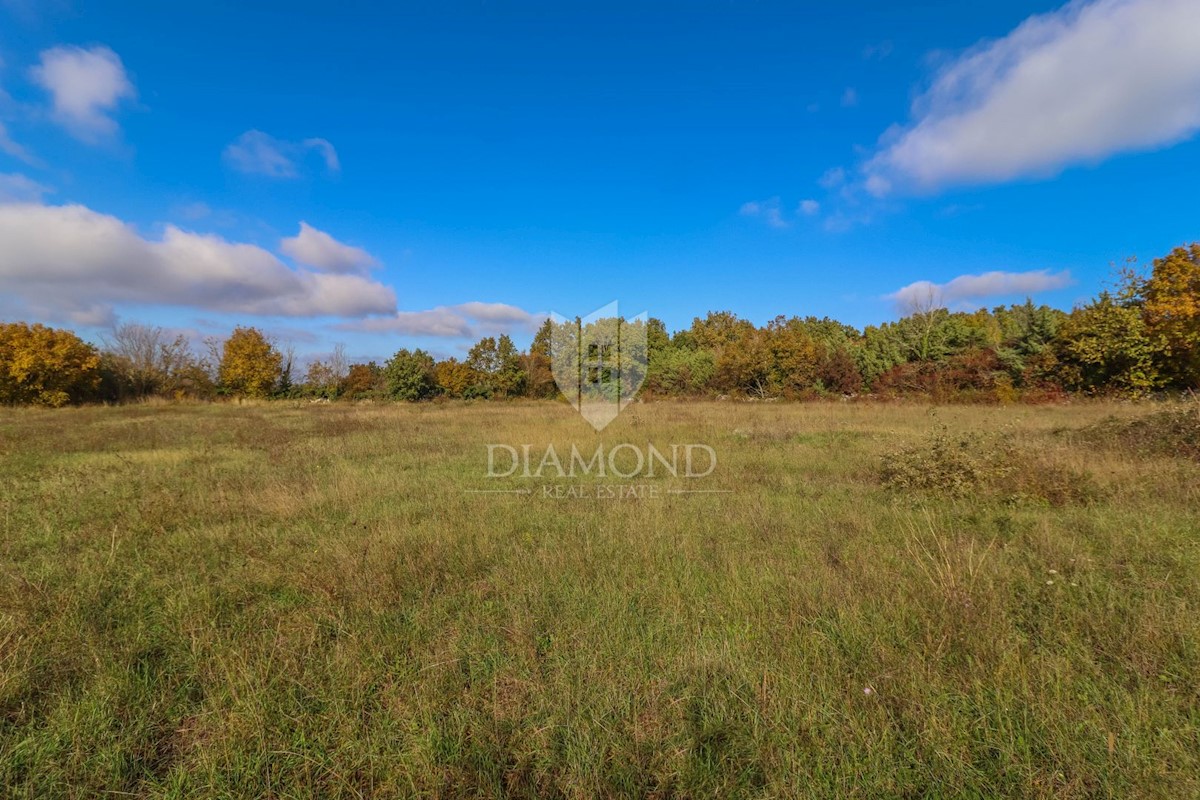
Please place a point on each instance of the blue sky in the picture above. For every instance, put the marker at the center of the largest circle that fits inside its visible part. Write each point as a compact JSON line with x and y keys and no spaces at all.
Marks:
{"x":463,"y":167}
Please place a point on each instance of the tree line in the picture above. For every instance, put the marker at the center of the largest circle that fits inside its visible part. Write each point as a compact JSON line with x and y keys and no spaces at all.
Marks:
{"x":1139,"y":338}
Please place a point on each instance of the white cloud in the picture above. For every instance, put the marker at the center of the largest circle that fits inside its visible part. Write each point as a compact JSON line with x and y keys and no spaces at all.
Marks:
{"x":317,"y":249}
{"x":85,"y":87}
{"x":502,"y":315}
{"x":463,"y":321}
{"x":255,"y":152}
{"x":441,"y":321}
{"x":73,"y":261}
{"x":15,"y":188}
{"x":322,"y":146}
{"x":877,"y":185}
{"x":768,"y":210}
{"x":258,"y":153}
{"x":832,"y":178}
{"x":809,"y":208}
{"x":966,"y":288}
{"x":1074,"y":86}
{"x":9,"y":147}
{"x":195,"y":211}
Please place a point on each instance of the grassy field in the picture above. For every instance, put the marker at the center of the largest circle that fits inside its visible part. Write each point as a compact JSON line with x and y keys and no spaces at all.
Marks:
{"x":890,"y":601}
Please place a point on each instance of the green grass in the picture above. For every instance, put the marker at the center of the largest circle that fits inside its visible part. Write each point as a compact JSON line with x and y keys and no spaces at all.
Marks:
{"x":266,"y":600}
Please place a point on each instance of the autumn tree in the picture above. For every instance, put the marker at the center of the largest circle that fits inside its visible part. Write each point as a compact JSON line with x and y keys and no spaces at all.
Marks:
{"x":739,"y":352}
{"x":250,"y":365}
{"x":453,"y":377}
{"x":539,"y":375}
{"x":838,"y":371}
{"x":717,"y":330}
{"x":45,"y":366}
{"x":795,"y":355}
{"x":1171,"y":307}
{"x":362,"y":381}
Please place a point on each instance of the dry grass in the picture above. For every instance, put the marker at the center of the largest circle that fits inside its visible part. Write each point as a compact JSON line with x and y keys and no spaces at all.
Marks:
{"x":1171,"y":431}
{"x":282,"y":601}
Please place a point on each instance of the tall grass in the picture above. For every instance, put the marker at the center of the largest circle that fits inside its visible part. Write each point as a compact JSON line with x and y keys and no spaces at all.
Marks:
{"x":264,"y":600}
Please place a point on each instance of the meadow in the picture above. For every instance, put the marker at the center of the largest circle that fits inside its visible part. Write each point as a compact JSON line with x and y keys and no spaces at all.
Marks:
{"x":865,"y":600}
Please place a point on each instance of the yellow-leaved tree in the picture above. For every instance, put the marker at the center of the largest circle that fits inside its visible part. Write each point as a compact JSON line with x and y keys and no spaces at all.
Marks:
{"x":1171,"y":305}
{"x":250,"y":364}
{"x":45,"y":366}
{"x":454,"y":377}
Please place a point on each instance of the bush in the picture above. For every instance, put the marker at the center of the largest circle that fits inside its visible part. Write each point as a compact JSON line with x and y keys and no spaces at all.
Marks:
{"x":972,"y":464}
{"x":1173,"y":431}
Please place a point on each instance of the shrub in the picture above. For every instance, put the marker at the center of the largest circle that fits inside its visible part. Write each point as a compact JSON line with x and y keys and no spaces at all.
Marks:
{"x":972,"y":464}
{"x":1174,"y":431}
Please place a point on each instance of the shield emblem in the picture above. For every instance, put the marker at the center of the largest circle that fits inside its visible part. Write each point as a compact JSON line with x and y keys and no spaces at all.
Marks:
{"x":599,"y":361}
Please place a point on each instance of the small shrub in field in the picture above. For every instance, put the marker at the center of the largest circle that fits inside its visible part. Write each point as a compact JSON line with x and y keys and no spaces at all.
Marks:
{"x":1173,"y":431}
{"x":972,"y":464}
{"x":953,"y":464}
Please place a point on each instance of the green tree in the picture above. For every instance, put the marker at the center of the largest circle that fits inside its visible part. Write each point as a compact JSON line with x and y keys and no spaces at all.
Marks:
{"x":1027,"y":336}
{"x":498,"y":368}
{"x":1105,"y":345}
{"x":657,"y":338}
{"x":880,"y":351}
{"x":680,"y":371}
{"x":409,"y":376}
